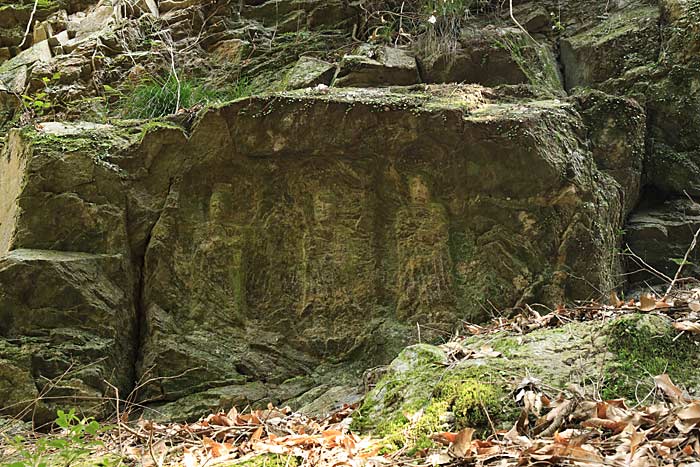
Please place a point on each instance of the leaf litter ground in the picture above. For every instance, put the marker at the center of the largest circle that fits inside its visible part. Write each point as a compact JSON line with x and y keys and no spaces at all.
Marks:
{"x":570,"y":428}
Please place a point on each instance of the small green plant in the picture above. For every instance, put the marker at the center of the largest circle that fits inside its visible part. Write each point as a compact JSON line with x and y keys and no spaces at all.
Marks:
{"x":45,"y":3}
{"x":682,"y":262}
{"x":75,"y":441}
{"x":433,"y":23}
{"x":557,"y":25}
{"x":40,"y":102}
{"x":243,"y":87}
{"x":157,"y":97}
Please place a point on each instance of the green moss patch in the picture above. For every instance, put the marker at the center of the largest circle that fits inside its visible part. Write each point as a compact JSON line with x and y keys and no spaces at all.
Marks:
{"x":419,"y":397}
{"x":644,"y":346}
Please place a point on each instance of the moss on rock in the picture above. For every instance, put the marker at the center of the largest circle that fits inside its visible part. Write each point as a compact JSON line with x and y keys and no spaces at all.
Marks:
{"x":643,"y":346}
{"x":419,"y":394}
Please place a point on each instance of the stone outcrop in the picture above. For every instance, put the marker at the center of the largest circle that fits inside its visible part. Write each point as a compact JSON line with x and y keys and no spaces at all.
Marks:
{"x":616,"y":128}
{"x":289,"y":16}
{"x":301,"y":228}
{"x":489,"y":56}
{"x":68,"y":331}
{"x":309,"y":72}
{"x":644,"y":52}
{"x":272,"y":248}
{"x":628,"y":39}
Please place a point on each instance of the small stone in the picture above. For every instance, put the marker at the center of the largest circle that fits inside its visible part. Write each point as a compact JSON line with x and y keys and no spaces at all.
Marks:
{"x":371,"y":66}
{"x":309,"y":72}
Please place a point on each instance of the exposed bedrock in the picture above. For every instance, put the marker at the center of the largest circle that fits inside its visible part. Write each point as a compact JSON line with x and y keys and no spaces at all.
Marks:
{"x":649,"y":52}
{"x":293,"y":233}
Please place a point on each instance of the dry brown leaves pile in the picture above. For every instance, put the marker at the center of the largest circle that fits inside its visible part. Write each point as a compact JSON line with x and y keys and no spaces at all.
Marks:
{"x":581,"y":432}
{"x":233,"y":437}
{"x":557,"y":430}
{"x":550,"y":431}
{"x":683,"y":307}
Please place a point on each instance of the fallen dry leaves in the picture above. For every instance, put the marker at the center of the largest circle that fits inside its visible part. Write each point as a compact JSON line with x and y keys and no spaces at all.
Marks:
{"x":683,"y":307}
{"x":589,"y":433}
{"x":236,"y":437}
{"x":573,"y":430}
{"x":562,"y":430}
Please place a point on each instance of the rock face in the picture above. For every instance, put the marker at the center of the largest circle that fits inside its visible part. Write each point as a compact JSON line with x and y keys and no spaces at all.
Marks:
{"x":68,"y":331}
{"x":309,"y":72}
{"x":287,"y":16}
{"x":616,"y":128}
{"x":661,"y":235}
{"x":490,"y":57}
{"x":257,"y":249}
{"x":627,"y":39}
{"x":643,"y":51}
{"x":296,"y":229}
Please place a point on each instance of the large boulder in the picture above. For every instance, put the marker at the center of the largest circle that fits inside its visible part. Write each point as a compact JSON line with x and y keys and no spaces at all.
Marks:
{"x":67,"y":332}
{"x":294,"y":234}
{"x":647,"y":52}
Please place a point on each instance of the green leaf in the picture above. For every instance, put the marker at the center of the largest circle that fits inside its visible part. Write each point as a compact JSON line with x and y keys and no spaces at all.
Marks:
{"x":92,"y":428}
{"x":680,"y":262}
{"x":62,"y":419}
{"x":58,"y":443}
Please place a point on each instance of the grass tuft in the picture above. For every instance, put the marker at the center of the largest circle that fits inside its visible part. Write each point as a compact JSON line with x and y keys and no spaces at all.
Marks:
{"x":156,"y":96}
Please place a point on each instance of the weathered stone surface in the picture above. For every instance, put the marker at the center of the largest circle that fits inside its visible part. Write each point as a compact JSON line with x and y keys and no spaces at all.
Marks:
{"x":617,"y":128}
{"x":371,"y":66}
{"x":308,"y":227}
{"x":644,"y":52}
{"x":674,"y":116}
{"x":628,"y":39}
{"x":683,"y":34}
{"x":231,"y":50}
{"x":535,"y":18}
{"x":490,"y":56}
{"x":294,"y":15}
{"x":38,"y":52}
{"x":67,"y":331}
{"x":661,"y":236}
{"x":309,"y":72}
{"x":96,"y":20}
